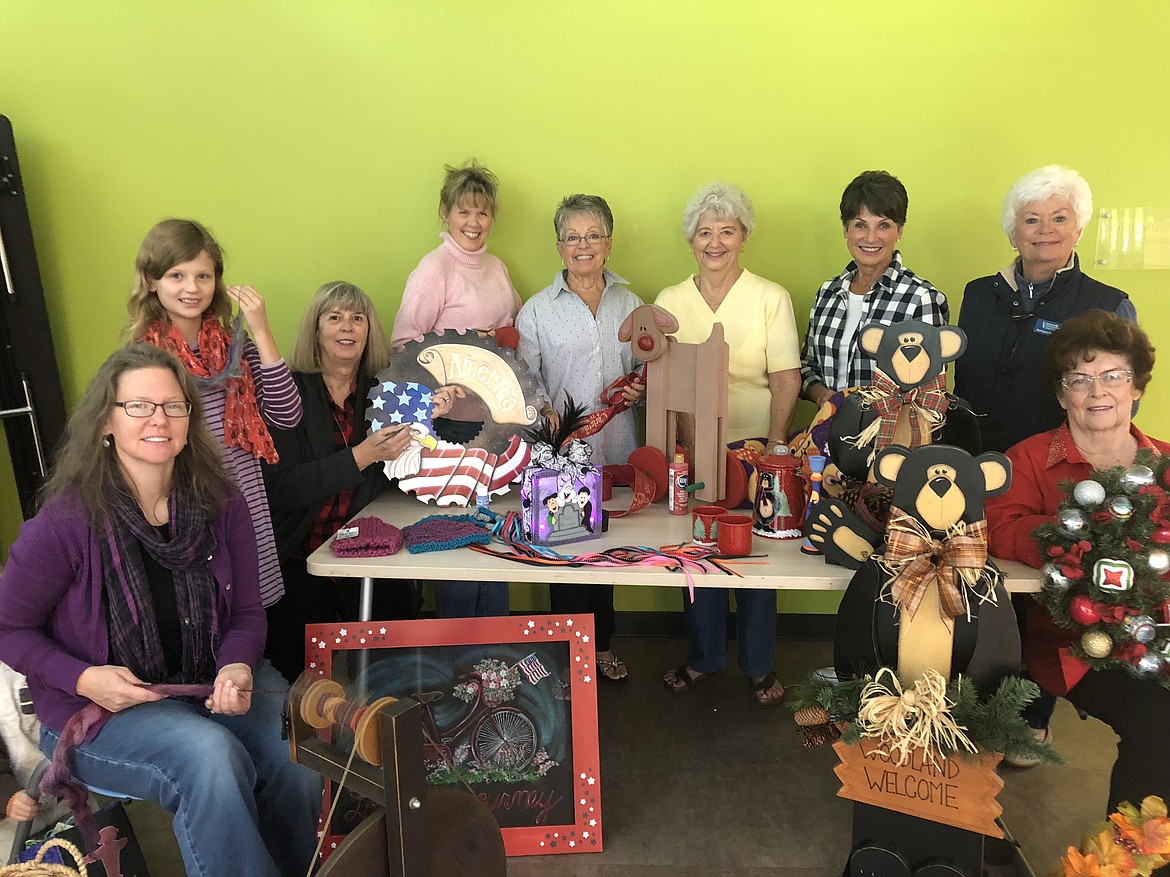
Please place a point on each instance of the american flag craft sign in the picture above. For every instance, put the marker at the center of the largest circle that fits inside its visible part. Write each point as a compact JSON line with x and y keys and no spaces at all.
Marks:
{"x":432,"y":467}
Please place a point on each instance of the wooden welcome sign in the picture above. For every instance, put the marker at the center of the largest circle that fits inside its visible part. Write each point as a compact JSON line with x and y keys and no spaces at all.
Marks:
{"x":954,"y":791}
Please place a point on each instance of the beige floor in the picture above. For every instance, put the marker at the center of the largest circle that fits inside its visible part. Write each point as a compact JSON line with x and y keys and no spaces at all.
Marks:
{"x":709,"y":784}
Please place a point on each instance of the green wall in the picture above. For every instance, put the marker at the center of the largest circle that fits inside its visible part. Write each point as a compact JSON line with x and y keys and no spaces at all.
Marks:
{"x":310,"y":137}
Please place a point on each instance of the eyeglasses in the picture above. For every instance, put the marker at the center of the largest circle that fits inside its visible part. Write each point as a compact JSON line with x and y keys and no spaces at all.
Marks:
{"x":1078,"y":382}
{"x":593,"y":239}
{"x":142,"y":408}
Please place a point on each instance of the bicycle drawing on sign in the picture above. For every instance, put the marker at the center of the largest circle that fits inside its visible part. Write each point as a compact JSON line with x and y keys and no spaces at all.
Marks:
{"x":492,"y":740}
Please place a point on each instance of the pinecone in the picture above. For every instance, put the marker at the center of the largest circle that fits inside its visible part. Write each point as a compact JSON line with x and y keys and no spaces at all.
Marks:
{"x":811,"y":715}
{"x":819,"y":735}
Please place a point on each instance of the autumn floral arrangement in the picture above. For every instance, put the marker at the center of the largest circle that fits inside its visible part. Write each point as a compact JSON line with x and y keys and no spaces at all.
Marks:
{"x":1135,"y":842}
{"x":1108,"y":555}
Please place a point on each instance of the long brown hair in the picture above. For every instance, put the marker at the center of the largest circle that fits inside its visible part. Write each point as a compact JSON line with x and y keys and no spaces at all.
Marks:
{"x":89,"y":470}
{"x":170,"y":243}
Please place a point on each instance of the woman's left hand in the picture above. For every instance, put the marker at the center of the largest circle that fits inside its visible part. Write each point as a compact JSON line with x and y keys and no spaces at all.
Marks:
{"x":634,"y":391}
{"x":232,"y":693}
{"x":443,"y":399}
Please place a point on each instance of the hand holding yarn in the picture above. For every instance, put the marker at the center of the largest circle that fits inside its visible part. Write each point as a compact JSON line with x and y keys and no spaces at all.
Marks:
{"x":114,"y":688}
{"x":232,"y":693}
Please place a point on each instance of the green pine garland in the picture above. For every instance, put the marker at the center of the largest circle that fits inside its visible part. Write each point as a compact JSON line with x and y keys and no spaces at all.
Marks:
{"x":993,"y":724}
{"x":1108,"y":537}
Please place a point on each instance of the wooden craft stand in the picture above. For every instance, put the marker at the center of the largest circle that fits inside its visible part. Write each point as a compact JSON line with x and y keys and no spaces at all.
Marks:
{"x":387,"y":768}
{"x":692,"y":379}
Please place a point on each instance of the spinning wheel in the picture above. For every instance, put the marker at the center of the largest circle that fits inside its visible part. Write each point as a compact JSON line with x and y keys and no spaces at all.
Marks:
{"x":415,"y":832}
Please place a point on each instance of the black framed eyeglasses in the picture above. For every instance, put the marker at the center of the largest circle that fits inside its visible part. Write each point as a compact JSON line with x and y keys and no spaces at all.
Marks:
{"x":142,"y":408}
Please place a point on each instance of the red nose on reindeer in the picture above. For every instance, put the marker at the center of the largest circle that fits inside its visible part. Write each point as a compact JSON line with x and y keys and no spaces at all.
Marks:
{"x":646,"y":342}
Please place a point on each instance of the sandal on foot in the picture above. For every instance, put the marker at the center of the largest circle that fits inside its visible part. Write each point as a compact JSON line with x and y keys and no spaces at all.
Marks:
{"x":683,"y":681}
{"x":764,"y":691}
{"x":605,"y":668}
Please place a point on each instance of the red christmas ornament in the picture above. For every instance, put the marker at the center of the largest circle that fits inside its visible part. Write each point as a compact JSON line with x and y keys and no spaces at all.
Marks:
{"x":1080,"y":610}
{"x":1161,"y":536}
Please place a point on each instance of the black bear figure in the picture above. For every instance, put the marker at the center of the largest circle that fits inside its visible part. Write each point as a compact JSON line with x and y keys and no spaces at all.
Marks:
{"x":951,"y":625}
{"x":908,"y":405}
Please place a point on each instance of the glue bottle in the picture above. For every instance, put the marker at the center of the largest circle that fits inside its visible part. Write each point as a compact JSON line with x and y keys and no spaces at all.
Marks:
{"x":483,"y":499}
{"x":676,"y":493}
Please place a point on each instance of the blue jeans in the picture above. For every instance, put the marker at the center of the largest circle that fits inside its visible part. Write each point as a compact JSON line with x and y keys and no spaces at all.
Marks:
{"x":240,"y":805}
{"x":706,"y":620}
{"x":470,"y":599}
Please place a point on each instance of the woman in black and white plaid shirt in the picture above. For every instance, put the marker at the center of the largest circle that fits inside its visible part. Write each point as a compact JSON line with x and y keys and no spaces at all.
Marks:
{"x":874,"y":287}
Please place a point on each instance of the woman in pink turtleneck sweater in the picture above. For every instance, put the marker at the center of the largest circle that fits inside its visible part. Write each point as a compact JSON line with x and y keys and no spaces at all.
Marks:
{"x":459,"y":285}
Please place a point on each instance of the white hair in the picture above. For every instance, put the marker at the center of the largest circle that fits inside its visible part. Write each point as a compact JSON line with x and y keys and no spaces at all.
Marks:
{"x":719,"y":201}
{"x":1042,"y":184}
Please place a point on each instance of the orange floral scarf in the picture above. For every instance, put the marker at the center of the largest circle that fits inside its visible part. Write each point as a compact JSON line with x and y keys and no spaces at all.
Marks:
{"x":243,"y":427}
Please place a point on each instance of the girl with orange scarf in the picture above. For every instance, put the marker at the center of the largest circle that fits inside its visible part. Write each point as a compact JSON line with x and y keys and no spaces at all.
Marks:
{"x":179,"y":303}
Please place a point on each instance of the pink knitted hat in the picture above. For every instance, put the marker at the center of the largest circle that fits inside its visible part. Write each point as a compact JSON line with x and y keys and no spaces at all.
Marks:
{"x":373,"y":538}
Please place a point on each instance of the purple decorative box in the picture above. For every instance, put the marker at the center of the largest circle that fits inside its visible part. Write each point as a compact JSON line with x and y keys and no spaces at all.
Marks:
{"x":561,"y":506}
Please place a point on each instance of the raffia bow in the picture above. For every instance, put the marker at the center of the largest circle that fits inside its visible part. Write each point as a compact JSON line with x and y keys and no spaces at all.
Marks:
{"x":928,"y":405}
{"x":915,"y":718}
{"x":915,"y":559}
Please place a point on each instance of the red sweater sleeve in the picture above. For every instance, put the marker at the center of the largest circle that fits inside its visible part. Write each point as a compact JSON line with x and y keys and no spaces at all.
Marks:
{"x":1013,"y":516}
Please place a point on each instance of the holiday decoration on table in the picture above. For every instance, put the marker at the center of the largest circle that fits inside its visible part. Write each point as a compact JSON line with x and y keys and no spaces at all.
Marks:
{"x":560,"y":495}
{"x":1108,"y":553}
{"x":1135,"y":842}
{"x":478,"y":443}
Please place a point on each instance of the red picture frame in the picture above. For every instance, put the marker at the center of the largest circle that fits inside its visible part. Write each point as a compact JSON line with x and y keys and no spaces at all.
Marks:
{"x":548,"y":805}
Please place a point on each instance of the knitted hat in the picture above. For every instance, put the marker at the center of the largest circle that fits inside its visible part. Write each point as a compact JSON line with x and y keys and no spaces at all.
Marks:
{"x":367,"y":537}
{"x":440,"y":532}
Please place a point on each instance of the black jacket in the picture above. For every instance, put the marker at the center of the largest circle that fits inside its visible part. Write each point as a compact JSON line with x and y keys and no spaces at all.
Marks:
{"x":1001,"y":374}
{"x":310,"y":470}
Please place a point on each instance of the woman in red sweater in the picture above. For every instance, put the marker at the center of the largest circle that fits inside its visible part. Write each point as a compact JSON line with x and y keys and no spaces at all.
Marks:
{"x":1098,"y":364}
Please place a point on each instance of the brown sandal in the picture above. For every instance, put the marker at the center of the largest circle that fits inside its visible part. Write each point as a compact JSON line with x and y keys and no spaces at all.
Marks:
{"x":766,"y":686}
{"x":685,"y":681}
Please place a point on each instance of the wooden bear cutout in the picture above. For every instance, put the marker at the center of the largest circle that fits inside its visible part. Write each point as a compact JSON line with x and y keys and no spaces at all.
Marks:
{"x":939,"y":488}
{"x":910,"y":360}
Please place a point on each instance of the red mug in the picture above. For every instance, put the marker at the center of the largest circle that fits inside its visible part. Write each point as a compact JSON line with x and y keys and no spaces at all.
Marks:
{"x":704,"y":529}
{"x":735,"y":535}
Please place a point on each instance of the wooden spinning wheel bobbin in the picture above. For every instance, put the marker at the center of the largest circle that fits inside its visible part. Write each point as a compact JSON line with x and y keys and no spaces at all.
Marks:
{"x":323,"y":704}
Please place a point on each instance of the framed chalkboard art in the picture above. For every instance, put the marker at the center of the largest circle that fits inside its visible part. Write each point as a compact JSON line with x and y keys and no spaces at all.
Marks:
{"x":509,"y":708}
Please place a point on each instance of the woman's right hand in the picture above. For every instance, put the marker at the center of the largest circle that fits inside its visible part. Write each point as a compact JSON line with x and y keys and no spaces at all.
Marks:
{"x":385,"y":444}
{"x":114,"y":688}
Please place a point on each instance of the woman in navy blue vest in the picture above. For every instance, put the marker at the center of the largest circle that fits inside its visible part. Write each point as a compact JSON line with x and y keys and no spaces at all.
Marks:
{"x":1009,"y":318}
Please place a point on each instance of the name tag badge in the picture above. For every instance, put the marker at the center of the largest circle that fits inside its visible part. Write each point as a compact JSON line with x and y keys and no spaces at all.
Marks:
{"x":346,"y":533}
{"x":1045,"y":327}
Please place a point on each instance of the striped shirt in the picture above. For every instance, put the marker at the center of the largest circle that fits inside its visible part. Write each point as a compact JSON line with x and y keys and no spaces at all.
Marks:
{"x":898,"y":295}
{"x":280,"y":406}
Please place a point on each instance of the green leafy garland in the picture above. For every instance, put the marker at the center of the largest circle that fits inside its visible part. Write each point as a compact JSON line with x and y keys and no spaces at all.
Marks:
{"x":994,"y":724}
{"x":1108,"y":552}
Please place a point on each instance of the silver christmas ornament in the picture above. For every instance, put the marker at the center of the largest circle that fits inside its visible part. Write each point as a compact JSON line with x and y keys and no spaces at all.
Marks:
{"x":1073,"y":522}
{"x":1161,"y":648}
{"x":1146,"y":667}
{"x":1159,"y":561}
{"x":1121,"y":507}
{"x":1140,"y":628}
{"x":1054,"y":579}
{"x":1135,"y":478}
{"x":1089,"y":493}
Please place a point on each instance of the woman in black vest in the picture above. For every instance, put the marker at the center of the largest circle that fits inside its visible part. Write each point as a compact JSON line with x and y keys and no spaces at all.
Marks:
{"x":1009,"y":318}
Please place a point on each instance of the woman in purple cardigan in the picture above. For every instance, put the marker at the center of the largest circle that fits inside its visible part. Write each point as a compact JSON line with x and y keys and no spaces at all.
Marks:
{"x":140,"y":568}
